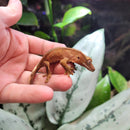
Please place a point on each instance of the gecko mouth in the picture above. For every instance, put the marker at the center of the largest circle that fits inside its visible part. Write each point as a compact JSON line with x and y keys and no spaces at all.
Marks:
{"x":90,"y":67}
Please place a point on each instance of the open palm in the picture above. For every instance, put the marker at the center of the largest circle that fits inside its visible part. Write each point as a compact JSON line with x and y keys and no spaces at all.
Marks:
{"x":19,"y":53}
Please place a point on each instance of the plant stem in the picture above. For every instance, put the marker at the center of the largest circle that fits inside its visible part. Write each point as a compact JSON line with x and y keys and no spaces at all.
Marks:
{"x":49,"y":12}
{"x":54,"y":34}
{"x":62,"y":34}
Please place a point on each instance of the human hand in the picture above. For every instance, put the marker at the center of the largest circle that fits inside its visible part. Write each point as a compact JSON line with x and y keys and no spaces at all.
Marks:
{"x":19,"y":53}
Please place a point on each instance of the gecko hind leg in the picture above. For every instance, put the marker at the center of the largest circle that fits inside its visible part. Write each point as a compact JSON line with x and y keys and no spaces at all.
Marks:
{"x":33,"y":73}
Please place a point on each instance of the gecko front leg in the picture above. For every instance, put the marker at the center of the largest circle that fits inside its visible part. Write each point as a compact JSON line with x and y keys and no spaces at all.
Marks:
{"x":68,"y":69}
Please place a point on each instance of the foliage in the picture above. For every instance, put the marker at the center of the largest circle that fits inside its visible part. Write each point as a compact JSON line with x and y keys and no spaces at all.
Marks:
{"x":70,"y":16}
{"x":102,"y":93}
{"x":112,"y":115}
{"x":28,"y":19}
{"x":43,"y":35}
{"x":103,"y":88}
{"x":24,"y":2}
{"x":9,"y":121}
{"x":118,"y":81}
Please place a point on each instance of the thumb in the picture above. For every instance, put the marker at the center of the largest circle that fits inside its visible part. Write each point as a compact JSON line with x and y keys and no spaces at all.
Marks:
{"x":10,"y":14}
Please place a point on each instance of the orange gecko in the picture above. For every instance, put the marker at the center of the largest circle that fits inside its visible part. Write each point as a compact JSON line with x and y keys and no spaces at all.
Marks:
{"x":64,"y":56}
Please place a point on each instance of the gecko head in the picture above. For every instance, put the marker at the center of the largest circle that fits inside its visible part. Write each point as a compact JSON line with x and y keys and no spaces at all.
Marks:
{"x":85,"y":61}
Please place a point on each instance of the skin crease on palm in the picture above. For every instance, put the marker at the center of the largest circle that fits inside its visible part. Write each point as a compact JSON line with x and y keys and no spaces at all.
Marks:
{"x":19,"y":53}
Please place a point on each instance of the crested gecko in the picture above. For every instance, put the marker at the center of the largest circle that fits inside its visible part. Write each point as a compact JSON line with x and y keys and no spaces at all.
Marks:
{"x":64,"y":56}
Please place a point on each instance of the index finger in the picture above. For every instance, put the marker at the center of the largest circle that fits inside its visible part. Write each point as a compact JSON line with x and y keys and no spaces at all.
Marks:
{"x":41,"y":46}
{"x":24,"y":93}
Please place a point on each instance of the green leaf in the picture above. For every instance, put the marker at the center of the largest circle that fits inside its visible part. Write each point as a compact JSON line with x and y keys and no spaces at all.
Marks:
{"x":75,"y":13}
{"x":43,"y":35}
{"x":70,"y":30}
{"x":72,"y":15}
{"x":100,"y":76}
{"x":118,"y":81}
{"x":60,"y":25}
{"x":102,"y":93}
{"x":28,"y":19}
{"x":24,"y":2}
{"x":67,"y":106}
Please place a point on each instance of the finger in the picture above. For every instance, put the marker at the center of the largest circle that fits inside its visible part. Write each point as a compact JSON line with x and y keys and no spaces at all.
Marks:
{"x":40,"y":46}
{"x":54,"y":82}
{"x":11,"y":13}
{"x":23,"y":93}
{"x":33,"y":60}
{"x":57,"y":82}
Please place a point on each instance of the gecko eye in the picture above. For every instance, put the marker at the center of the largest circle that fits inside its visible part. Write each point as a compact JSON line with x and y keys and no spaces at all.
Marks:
{"x":89,"y":61}
{"x":78,"y":57}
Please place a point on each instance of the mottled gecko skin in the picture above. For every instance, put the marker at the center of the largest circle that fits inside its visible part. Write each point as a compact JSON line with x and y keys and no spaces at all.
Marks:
{"x":64,"y":56}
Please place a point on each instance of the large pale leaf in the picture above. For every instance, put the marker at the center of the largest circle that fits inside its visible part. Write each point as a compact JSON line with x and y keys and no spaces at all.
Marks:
{"x":17,"y":109}
{"x":34,"y":114}
{"x":67,"y":106}
{"x":112,"y":115}
{"x":9,"y":121}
